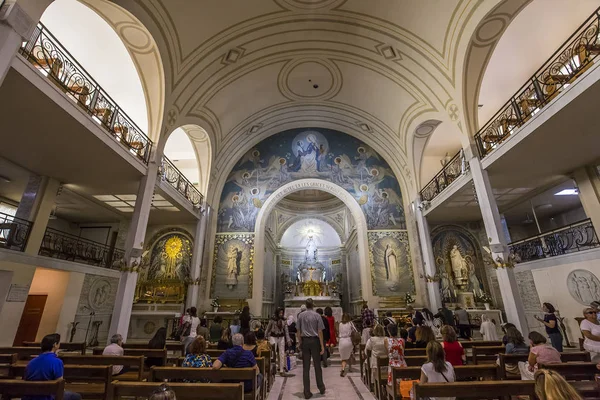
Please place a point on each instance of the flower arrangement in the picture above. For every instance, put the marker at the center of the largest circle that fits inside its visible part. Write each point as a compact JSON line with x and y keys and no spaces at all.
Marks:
{"x":485,"y":298}
{"x":409,"y":298}
{"x":215,"y":303}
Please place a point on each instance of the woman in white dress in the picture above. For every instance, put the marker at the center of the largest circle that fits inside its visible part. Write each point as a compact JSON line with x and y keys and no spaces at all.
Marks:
{"x":590,"y":327}
{"x":488,"y":329}
{"x":194,"y":321}
{"x":345,"y":342}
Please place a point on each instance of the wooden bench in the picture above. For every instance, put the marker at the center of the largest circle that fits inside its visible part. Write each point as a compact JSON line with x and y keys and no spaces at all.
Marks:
{"x":581,"y":375}
{"x":76,"y":347}
{"x":380,"y":377}
{"x":17,"y":388}
{"x":361,"y":361}
{"x":22,"y":352}
{"x":6,"y":361}
{"x":477,"y":390}
{"x":146,"y":353}
{"x":136,"y":363}
{"x":579,"y":356}
{"x":90,"y":381}
{"x":170,"y":346}
{"x":486,"y":355}
{"x":161,"y":374}
{"x":414,"y":352}
{"x":469,"y":344}
{"x":268,"y":379}
{"x":183,"y":391}
{"x":214,"y":353}
{"x":462,"y":372}
{"x":415,"y":361}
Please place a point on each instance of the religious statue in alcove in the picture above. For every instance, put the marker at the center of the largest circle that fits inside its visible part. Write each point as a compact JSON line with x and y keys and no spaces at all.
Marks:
{"x":459,"y":265}
{"x":233,"y":267}
{"x":391,"y":267}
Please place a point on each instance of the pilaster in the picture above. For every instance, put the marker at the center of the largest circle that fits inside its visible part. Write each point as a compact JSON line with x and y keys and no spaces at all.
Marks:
{"x":588,"y":184}
{"x":16,"y":26}
{"x":38,"y":210}
{"x":513,"y":306}
{"x":197,"y":257}
{"x":433,"y":285}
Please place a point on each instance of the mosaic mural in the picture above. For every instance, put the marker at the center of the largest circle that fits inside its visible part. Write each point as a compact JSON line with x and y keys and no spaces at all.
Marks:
{"x":233,"y":266}
{"x":391,"y":267}
{"x":311,"y":153}
{"x":454,"y":247}
{"x":170,"y":257}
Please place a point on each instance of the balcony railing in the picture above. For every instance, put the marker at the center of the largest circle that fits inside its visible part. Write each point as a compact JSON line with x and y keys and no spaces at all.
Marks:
{"x":454,"y":168}
{"x":14,"y":232}
{"x":64,"y":246}
{"x":569,"y":239}
{"x":565,"y":66}
{"x":169,"y":172}
{"x":50,"y":57}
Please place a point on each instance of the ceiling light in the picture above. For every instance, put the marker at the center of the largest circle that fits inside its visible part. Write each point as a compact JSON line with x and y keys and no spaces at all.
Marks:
{"x":125,"y":209}
{"x":106,"y":197}
{"x":126,"y":197}
{"x":162,"y":203}
{"x":567,"y":192}
{"x":117,"y":204}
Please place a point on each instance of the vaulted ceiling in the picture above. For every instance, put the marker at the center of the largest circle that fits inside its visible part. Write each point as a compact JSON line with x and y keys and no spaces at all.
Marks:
{"x":244,"y":70}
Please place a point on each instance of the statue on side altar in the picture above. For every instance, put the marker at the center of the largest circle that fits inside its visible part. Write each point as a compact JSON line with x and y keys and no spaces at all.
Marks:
{"x":459,"y":265}
{"x":233,"y":267}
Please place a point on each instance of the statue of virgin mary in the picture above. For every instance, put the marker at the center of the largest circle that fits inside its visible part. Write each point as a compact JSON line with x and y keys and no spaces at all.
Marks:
{"x":391,"y":266}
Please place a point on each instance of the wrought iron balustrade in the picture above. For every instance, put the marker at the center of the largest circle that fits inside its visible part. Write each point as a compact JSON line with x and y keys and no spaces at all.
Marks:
{"x":64,"y":246}
{"x":564,"y":67}
{"x":454,"y":168}
{"x":50,"y":57}
{"x":14,"y":232}
{"x":170,"y":173}
{"x":568,"y":239}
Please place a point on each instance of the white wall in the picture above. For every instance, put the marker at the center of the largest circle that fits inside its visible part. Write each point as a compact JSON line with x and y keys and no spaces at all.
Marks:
{"x":52,"y":283}
{"x":10,"y":315}
{"x":69,"y":308}
{"x":296,"y":235}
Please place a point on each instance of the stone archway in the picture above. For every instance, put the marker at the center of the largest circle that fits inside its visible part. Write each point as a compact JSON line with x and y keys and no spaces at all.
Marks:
{"x":361,"y":226}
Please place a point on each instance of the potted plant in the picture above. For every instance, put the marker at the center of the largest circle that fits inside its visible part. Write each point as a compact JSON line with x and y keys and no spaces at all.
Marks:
{"x":215,"y":304}
{"x":486,"y":299}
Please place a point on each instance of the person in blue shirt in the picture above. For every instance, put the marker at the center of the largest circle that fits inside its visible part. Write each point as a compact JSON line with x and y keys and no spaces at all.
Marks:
{"x":47,"y":367}
{"x":237,"y":357}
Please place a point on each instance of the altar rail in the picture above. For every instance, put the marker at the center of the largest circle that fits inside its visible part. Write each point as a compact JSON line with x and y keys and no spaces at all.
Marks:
{"x":568,"y":239}
{"x":564,"y":67}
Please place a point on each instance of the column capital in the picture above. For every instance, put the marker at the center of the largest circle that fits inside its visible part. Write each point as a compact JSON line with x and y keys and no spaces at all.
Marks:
{"x":14,"y":16}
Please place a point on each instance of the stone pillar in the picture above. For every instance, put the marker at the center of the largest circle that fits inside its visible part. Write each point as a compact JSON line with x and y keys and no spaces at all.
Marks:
{"x":589,"y":193}
{"x":197,"y":257}
{"x":134,"y":246}
{"x":39,"y":199}
{"x":13,"y":30}
{"x":433,"y":285}
{"x":513,"y":306}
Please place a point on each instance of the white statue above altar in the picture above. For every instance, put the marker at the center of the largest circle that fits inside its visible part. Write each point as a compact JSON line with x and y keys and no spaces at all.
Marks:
{"x":459,"y":264}
{"x":310,"y":254}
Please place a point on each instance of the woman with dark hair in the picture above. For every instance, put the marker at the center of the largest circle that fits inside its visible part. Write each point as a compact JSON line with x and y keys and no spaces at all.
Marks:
{"x":515,"y":344}
{"x":277,"y":332}
{"x":197,"y":358}
{"x":216,"y":329}
{"x":437,"y":369}
{"x":224,"y":342}
{"x":455,"y":353}
{"x":158,"y":341}
{"x":245,"y":321}
{"x":250,"y":343}
{"x":332,"y":342}
{"x":346,"y":347}
{"x":504,"y":329}
{"x":424,"y":335}
{"x":551,"y":324}
{"x":541,"y":353}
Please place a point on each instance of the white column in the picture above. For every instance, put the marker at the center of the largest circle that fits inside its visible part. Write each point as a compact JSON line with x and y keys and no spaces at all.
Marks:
{"x":197,"y":257}
{"x":513,"y":306}
{"x":39,"y":210}
{"x":433,"y":287}
{"x":588,"y":184}
{"x":134,"y":246}
{"x":16,"y":27}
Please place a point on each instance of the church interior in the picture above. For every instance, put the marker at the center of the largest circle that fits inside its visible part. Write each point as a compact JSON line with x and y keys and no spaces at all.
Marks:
{"x":168,"y":154}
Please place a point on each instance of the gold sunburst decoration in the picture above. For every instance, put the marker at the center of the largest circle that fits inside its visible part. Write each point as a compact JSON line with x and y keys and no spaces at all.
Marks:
{"x":173,"y":247}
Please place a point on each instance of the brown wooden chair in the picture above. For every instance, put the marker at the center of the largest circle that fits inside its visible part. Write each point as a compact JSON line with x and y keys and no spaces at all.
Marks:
{"x":414,"y":352}
{"x":75,"y":347}
{"x":146,"y":353}
{"x":184,"y":391}
{"x":22,"y":352}
{"x":90,"y":381}
{"x":17,"y":388}
{"x":136,"y":363}
{"x":6,"y":361}
{"x":476,"y":390}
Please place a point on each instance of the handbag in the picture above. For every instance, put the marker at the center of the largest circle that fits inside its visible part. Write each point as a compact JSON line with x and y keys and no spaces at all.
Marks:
{"x":185,"y":329}
{"x":355,"y":336}
{"x":405,"y":388}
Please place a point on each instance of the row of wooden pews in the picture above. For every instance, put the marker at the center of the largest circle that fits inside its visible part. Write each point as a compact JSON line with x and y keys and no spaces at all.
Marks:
{"x":91,"y":375}
{"x":485,"y":372}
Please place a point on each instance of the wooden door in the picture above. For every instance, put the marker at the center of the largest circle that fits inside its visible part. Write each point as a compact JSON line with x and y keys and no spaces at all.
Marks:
{"x":30,"y":319}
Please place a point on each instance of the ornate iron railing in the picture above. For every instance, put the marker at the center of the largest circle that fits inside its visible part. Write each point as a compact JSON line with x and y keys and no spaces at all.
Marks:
{"x":14,"y":232}
{"x":46,"y":53}
{"x":169,"y":172}
{"x":568,"y":239}
{"x":64,"y":246}
{"x":565,"y":66}
{"x":454,"y":168}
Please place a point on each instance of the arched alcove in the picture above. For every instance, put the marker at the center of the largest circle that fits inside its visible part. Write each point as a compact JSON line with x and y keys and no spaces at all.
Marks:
{"x":295,"y":235}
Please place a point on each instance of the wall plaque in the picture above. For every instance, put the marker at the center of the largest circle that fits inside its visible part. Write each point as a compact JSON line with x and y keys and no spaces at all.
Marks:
{"x":18,"y":293}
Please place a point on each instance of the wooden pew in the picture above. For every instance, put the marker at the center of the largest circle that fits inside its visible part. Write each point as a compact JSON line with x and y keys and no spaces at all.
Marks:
{"x":380,"y":378}
{"x":22,"y":352}
{"x":136,"y":363}
{"x":75,"y":347}
{"x":170,"y":346}
{"x":146,"y":353}
{"x":369,"y":370}
{"x":415,"y":361}
{"x":90,"y":381}
{"x":414,"y":352}
{"x":161,"y":374}
{"x":462,"y":372}
{"x":476,"y":390}
{"x":268,"y":379}
{"x":486,"y":355}
{"x":6,"y":360}
{"x":214,"y":353}
{"x":17,"y":388}
{"x":579,"y":356}
{"x":361,"y":361}
{"x":469,"y":344}
{"x":581,"y":375}
{"x":183,"y":391}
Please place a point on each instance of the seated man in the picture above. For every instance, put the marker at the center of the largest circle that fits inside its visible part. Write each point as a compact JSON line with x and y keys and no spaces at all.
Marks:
{"x":115,"y":348}
{"x":237,"y":357}
{"x":47,"y":367}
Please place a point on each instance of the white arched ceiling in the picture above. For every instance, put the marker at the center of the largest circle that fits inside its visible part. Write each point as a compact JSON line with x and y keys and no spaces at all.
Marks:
{"x":297,"y":234}
{"x":96,"y":46}
{"x":443,"y":142}
{"x":530,"y":39}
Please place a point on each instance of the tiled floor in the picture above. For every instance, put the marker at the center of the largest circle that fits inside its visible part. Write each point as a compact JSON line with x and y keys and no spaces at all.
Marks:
{"x":348,"y":388}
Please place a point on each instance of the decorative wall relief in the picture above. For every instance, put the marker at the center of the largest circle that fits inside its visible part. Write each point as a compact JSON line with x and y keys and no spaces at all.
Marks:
{"x":311,"y":153}
{"x":233,"y":266}
{"x":583,"y":286}
{"x":94,"y":309}
{"x":459,"y":262}
{"x":391,"y":267}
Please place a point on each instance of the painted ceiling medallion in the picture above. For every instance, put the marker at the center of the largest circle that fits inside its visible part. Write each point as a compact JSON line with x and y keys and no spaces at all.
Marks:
{"x":300,"y":5}
{"x":310,"y":79}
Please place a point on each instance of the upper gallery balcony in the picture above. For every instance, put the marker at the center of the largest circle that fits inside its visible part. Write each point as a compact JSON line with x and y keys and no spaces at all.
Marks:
{"x":452,"y":170}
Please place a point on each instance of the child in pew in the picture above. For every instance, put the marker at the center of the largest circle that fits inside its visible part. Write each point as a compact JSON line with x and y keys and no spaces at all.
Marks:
{"x":541,"y":353}
{"x":550,"y":385}
{"x":437,"y":369}
{"x":197,"y":357}
{"x":164,"y":392}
